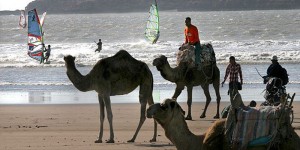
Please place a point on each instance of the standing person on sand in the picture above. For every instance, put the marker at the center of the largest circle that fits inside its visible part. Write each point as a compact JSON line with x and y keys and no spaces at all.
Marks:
{"x":192,"y":37}
{"x":234,"y":70}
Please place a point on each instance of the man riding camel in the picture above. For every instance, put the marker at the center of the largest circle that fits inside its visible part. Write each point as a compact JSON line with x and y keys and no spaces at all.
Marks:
{"x":192,"y":37}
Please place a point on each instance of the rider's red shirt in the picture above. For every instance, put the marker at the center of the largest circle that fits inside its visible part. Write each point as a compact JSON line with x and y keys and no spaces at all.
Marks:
{"x":191,"y":34}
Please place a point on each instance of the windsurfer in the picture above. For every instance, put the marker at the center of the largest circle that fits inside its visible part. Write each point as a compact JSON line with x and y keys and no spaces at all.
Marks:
{"x":42,"y":53}
{"x":48,"y":51}
{"x":99,"y":46}
{"x":192,"y":37}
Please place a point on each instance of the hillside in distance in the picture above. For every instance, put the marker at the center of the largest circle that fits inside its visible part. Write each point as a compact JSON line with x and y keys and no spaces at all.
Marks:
{"x":118,"y":6}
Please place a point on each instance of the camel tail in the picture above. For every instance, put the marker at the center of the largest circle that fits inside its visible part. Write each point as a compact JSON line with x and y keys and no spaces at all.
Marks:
{"x":150,"y":100}
{"x":149,"y":82}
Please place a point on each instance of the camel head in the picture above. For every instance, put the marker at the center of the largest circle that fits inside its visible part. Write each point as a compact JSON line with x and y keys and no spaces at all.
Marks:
{"x":163,"y":113}
{"x":160,"y":61}
{"x":69,"y":60}
{"x":163,"y":60}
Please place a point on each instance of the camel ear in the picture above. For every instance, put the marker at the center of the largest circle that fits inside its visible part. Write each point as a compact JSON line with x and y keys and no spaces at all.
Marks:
{"x":73,"y":58}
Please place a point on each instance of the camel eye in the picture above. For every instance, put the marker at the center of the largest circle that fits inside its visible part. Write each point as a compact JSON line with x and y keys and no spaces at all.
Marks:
{"x":163,"y":107}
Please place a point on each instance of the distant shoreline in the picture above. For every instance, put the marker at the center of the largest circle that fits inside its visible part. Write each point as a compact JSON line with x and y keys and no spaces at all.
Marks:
{"x":17,"y":12}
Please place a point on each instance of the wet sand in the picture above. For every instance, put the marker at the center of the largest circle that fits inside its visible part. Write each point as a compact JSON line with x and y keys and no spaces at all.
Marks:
{"x":75,"y":126}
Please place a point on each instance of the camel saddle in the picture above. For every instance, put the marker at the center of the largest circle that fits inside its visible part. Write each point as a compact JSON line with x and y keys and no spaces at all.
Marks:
{"x":256,"y":126}
{"x":186,"y":53}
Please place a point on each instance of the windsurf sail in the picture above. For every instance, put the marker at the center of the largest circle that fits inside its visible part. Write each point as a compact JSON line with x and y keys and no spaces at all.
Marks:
{"x":35,"y":36}
{"x":152,"y":28}
{"x":43,"y":18}
{"x":22,"y":20}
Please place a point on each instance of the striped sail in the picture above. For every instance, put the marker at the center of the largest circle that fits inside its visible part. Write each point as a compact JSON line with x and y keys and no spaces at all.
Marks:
{"x":35,"y":36}
{"x":152,"y":28}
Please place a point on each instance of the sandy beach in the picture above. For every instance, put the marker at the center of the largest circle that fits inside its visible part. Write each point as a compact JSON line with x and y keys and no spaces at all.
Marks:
{"x":75,"y":126}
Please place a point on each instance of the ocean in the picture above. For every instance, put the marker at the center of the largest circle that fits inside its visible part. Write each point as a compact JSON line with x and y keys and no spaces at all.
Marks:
{"x":253,"y":37}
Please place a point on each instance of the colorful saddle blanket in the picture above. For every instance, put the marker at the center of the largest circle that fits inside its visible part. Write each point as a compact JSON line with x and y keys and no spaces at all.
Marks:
{"x":254,"y":123}
{"x":187,"y":54}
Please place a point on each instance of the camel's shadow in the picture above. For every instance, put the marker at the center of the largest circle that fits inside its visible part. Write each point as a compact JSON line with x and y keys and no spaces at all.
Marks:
{"x":154,"y":145}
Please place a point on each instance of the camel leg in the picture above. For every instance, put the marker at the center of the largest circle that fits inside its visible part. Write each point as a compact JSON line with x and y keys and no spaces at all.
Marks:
{"x":155,"y":132}
{"x":143,"y":101}
{"x":216,"y":86}
{"x":142,"y":120}
{"x":102,"y":115}
{"x":110,"y":118}
{"x":151,"y":102}
{"x":177,"y":92}
{"x":208,"y":99}
{"x":189,"y":102}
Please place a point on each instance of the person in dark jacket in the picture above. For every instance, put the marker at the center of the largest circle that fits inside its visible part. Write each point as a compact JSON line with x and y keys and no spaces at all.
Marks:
{"x":274,"y":87}
{"x":48,"y":51}
{"x":275,"y":68}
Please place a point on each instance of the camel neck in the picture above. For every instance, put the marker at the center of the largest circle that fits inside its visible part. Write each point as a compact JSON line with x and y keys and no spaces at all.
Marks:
{"x":81,"y":82}
{"x":182,"y":137}
{"x":171,"y":74}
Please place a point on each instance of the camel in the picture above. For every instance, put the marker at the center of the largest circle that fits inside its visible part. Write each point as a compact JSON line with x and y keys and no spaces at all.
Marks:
{"x":170,"y":116}
{"x":183,"y":76}
{"x":116,"y":75}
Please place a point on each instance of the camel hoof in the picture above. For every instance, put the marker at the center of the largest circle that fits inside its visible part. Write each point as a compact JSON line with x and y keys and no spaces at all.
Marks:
{"x":216,"y":117}
{"x":153,"y":140}
{"x":110,"y":141}
{"x":130,"y":141}
{"x":202,"y":116}
{"x":188,"y":118}
{"x":98,"y":141}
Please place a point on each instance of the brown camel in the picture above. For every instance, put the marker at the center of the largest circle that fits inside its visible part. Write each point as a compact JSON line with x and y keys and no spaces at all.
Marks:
{"x":171,"y":117}
{"x":116,"y":75}
{"x":183,"y":76}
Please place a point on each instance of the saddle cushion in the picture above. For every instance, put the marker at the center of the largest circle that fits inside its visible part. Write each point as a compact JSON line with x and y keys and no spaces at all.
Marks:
{"x":255,"y":123}
{"x":187,"y":54}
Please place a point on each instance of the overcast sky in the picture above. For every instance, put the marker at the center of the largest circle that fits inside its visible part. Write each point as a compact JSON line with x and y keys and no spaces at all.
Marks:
{"x":13,"y":4}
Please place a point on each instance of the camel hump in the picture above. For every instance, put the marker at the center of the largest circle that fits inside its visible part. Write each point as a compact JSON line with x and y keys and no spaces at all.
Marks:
{"x":122,"y":54}
{"x":119,"y":60}
{"x":122,"y":62}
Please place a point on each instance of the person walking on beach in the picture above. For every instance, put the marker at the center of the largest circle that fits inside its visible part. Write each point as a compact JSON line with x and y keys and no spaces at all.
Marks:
{"x":99,"y":46}
{"x":234,"y":71}
{"x":192,"y":37}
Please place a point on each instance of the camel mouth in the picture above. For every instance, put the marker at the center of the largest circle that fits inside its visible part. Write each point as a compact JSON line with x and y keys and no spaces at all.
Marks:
{"x":159,"y":61}
{"x":151,"y":111}
{"x":149,"y":116}
{"x":155,"y":62}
